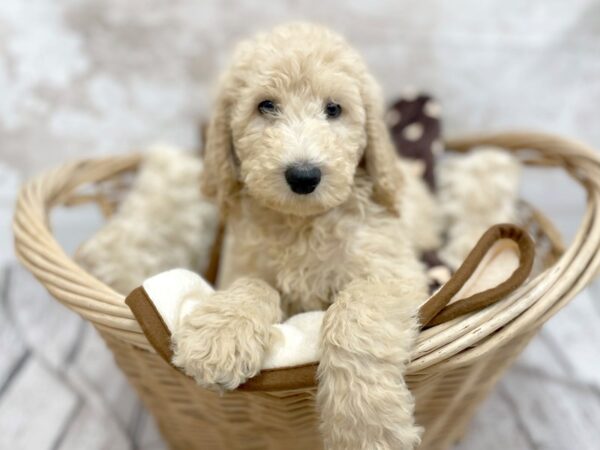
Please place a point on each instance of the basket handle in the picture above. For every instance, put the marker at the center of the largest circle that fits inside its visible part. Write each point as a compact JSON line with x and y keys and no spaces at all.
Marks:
{"x":437,"y":309}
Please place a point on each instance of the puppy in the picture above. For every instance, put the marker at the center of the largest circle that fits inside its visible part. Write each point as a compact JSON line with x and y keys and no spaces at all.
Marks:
{"x":299,"y":160}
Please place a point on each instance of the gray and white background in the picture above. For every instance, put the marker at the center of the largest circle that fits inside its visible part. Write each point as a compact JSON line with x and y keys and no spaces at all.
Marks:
{"x":80,"y":78}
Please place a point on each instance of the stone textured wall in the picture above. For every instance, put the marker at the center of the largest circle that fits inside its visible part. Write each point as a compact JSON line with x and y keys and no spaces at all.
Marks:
{"x":90,"y":77}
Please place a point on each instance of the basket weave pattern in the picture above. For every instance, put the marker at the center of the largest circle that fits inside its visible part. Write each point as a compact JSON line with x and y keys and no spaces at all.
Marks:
{"x":454,"y":365}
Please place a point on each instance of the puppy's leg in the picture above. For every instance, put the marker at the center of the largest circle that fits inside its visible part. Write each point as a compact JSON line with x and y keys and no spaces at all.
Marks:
{"x":223,"y":341}
{"x":367,"y":337}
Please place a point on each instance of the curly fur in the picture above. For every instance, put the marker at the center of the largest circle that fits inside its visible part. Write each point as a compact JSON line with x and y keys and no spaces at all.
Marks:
{"x":476,"y":191}
{"x":348,"y":243}
{"x":137,"y":242}
{"x":300,"y":66}
{"x":380,"y":406}
{"x":222,"y":343}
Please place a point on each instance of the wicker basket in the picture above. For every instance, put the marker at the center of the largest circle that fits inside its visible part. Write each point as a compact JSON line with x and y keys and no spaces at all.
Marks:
{"x":454,"y":365}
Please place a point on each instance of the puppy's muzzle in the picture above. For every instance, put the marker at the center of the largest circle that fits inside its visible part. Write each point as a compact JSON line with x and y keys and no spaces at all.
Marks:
{"x":303,"y":178}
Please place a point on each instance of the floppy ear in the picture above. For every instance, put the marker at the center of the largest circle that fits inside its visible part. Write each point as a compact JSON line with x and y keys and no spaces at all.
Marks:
{"x":380,"y":156}
{"x":219,"y":181}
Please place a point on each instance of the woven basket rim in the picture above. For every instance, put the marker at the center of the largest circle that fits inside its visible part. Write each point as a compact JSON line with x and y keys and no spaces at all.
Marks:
{"x":442,"y":347}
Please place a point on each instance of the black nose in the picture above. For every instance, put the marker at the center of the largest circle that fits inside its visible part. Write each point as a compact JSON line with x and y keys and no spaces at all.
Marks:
{"x":303,"y":178}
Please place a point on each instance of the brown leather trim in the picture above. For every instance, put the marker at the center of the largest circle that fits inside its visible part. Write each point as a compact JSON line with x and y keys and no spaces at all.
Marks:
{"x":159,"y":336}
{"x":212,"y":270}
{"x":284,"y":379}
{"x":151,"y":322}
{"x":437,"y":310}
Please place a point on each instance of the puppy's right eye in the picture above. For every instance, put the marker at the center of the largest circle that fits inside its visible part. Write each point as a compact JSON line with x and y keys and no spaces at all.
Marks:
{"x":267,"y":107}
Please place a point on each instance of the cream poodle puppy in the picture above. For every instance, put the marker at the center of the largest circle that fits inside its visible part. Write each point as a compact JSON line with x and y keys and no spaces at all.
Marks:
{"x":319,"y":212}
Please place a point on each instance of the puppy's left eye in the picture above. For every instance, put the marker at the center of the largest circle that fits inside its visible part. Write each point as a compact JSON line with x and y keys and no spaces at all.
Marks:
{"x":333,"y":110}
{"x":267,"y":107}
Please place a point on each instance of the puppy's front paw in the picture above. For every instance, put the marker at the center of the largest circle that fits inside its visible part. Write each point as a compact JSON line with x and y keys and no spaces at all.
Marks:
{"x":222,"y":343}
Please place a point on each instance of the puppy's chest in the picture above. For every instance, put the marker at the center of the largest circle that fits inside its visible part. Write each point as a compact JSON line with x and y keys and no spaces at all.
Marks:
{"x":307,"y":264}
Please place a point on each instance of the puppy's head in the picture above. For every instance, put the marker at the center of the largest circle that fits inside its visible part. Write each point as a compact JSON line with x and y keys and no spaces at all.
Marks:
{"x":296,"y":114}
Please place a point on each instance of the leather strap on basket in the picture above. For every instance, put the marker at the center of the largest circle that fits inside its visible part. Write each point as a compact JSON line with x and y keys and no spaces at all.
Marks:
{"x":437,"y":309}
{"x":151,"y":322}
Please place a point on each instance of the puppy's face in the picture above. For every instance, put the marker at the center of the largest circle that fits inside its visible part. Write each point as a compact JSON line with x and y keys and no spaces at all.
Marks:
{"x":296,"y":114}
{"x":298,"y":132}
